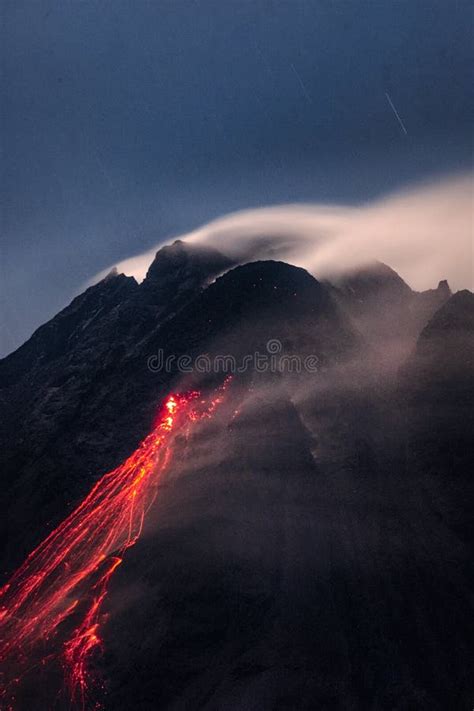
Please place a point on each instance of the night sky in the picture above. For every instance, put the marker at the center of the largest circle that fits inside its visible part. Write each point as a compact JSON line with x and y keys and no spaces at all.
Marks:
{"x":124,"y":123}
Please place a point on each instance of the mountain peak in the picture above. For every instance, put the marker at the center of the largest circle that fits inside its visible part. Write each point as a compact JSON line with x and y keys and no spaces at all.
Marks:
{"x":371,"y":280}
{"x":187,"y":258}
{"x":443,"y":288}
{"x":113,"y":273}
{"x":180,"y":270}
{"x":457,"y":313}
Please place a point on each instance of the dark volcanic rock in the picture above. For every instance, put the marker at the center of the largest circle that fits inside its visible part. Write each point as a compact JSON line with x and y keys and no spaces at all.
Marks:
{"x":181,"y":269}
{"x":260,"y":301}
{"x":310,"y":547}
{"x":86,"y":406}
{"x":437,"y":390}
{"x":375,"y":281}
{"x":279,"y":579}
{"x":441,"y":367}
{"x":440,"y":370}
{"x":79,"y":322}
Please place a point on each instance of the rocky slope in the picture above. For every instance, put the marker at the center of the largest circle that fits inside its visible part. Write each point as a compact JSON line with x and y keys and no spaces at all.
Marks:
{"x":80,"y":395}
{"x":311,"y":545}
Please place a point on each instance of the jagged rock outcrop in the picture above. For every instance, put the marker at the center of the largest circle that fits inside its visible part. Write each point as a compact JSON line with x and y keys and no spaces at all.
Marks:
{"x":180,"y":270}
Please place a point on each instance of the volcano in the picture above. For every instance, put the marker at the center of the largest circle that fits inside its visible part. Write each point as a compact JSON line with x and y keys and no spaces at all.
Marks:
{"x":295,"y":540}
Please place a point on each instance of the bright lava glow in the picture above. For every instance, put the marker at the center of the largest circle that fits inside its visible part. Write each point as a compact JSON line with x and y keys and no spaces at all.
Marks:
{"x":50,"y":610}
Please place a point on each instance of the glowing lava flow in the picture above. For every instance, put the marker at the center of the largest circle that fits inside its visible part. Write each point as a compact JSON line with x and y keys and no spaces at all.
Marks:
{"x":51,"y":607}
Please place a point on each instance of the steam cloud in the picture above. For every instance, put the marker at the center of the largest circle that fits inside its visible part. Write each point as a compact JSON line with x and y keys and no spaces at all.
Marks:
{"x":424,"y":233}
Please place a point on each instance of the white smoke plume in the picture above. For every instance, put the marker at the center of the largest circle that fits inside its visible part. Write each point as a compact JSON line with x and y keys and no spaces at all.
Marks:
{"x":425,"y":233}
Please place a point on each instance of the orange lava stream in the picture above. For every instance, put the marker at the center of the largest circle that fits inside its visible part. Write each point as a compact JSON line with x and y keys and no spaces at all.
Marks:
{"x":64,"y":581}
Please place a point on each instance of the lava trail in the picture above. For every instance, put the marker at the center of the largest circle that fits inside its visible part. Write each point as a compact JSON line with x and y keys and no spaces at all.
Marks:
{"x":51,"y":609}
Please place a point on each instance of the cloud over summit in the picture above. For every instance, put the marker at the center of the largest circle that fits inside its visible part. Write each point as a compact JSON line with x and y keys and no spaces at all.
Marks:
{"x":424,"y":232}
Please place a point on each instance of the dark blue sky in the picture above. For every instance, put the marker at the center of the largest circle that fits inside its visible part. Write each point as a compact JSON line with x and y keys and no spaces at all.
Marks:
{"x":126,"y":122}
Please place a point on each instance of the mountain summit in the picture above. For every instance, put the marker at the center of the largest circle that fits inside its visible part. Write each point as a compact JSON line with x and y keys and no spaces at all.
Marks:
{"x":184,"y":268}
